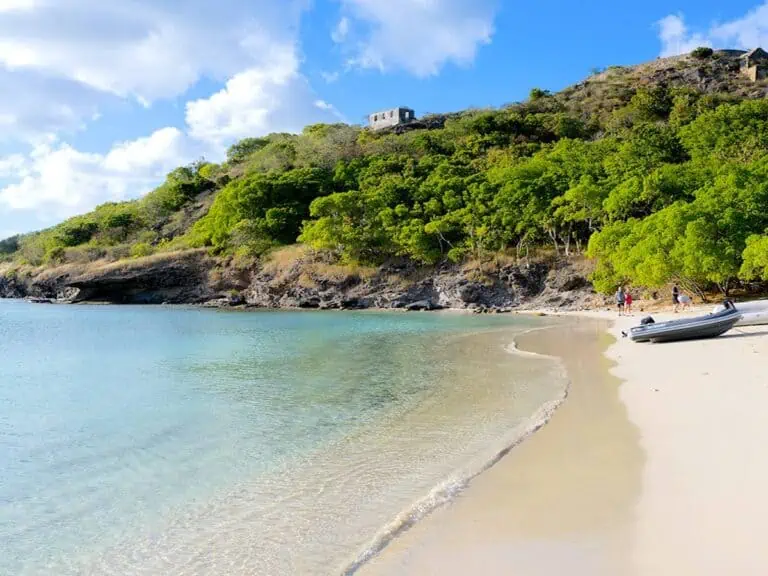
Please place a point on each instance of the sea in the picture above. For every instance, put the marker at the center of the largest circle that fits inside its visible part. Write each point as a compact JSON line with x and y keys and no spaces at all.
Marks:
{"x":182,"y":441}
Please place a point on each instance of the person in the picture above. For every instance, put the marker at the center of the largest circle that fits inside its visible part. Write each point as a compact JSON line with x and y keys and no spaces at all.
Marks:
{"x":620,"y":299}
{"x":675,"y":298}
{"x":628,"y":303}
{"x":686,"y":302}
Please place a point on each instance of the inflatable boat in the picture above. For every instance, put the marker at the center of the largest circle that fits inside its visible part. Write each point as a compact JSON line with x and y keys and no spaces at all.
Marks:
{"x":709,"y":326}
{"x":753,"y":313}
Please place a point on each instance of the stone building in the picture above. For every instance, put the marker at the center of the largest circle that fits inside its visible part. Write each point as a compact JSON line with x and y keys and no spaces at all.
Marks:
{"x":389,"y":118}
{"x":754,"y":64}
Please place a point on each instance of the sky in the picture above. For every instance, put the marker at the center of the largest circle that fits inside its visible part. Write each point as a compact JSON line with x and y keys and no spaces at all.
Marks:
{"x":99,"y":100}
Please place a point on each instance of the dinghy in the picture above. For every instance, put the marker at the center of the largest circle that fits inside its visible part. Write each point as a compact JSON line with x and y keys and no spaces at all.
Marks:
{"x":753,"y":313}
{"x":709,"y":326}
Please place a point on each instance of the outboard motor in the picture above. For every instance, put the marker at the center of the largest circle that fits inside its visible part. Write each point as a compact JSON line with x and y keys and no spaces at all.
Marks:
{"x":647,"y":320}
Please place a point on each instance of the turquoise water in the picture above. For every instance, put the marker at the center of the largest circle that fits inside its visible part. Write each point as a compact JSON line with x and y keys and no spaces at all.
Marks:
{"x":139,"y":440}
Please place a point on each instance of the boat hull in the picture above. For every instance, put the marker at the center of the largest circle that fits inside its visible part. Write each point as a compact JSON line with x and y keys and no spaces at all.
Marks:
{"x":698,"y":328}
{"x":754,"y":313}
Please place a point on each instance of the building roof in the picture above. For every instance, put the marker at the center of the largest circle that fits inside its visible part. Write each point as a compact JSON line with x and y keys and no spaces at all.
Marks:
{"x":759,"y":52}
{"x":393,"y":108}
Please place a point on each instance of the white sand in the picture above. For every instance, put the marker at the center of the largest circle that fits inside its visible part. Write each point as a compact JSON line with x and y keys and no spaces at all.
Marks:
{"x":690,"y":496}
{"x":702,"y":411}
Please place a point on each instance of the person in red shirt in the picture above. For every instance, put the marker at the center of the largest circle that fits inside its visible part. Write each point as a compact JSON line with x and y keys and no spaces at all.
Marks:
{"x":628,"y":303}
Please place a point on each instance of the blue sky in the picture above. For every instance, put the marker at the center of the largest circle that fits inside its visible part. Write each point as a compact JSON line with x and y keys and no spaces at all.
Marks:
{"x":99,"y":100}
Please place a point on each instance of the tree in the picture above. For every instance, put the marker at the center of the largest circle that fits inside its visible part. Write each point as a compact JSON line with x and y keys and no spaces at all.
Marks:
{"x":755,"y":258}
{"x":702,"y":52}
{"x":239,"y":151}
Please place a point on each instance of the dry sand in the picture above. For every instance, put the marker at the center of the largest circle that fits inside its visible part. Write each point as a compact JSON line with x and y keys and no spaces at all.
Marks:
{"x":702,"y":410}
{"x":664,"y":474}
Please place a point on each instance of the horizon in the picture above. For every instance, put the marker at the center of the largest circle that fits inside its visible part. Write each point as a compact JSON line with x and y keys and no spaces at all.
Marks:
{"x":100,"y":103}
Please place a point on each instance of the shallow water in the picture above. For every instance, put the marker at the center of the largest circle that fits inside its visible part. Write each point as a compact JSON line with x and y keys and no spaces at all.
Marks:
{"x":182,"y":441}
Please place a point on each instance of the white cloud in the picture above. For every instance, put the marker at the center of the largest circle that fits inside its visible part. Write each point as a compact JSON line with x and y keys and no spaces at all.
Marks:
{"x":58,"y":181}
{"x":60,"y":62}
{"x":16,"y":5}
{"x":271,"y":98}
{"x":420,"y":36}
{"x":339,"y":33}
{"x":11,"y":165}
{"x":675,"y":37}
{"x":746,"y":32}
{"x":148,"y":49}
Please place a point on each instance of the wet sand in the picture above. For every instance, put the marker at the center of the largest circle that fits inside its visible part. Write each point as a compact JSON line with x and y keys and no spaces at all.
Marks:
{"x":560,"y":503}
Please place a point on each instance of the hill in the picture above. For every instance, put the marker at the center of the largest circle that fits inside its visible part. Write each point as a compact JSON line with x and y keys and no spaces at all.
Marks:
{"x":653,"y":173}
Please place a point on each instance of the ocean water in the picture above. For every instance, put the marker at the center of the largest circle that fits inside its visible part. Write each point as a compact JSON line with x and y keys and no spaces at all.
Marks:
{"x":175,"y":441}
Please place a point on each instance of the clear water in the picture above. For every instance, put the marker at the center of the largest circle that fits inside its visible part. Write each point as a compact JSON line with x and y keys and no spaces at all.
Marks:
{"x":172,"y":441}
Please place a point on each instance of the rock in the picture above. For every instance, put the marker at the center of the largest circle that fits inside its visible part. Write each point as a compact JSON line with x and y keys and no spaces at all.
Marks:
{"x":422,"y":305}
{"x":195,"y":277}
{"x":175,"y":278}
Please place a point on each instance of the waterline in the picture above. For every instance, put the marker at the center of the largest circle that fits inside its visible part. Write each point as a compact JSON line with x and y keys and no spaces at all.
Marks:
{"x":198,"y":442}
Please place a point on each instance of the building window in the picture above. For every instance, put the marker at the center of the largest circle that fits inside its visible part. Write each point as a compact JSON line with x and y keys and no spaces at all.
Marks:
{"x":391,"y":113}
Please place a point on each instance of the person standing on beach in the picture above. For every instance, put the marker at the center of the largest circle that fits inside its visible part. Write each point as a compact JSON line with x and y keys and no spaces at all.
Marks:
{"x":620,"y":299}
{"x":628,"y":303}
{"x":675,"y":298}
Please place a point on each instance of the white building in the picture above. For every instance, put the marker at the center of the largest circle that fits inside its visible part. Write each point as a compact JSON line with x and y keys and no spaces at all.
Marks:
{"x":388,"y":118}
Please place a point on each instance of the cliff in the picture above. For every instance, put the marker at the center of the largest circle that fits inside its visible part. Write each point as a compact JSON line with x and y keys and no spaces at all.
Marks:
{"x":308,"y":280}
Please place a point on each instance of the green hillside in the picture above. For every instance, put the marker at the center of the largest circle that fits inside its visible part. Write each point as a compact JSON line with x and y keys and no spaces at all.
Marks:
{"x":658,"y":172}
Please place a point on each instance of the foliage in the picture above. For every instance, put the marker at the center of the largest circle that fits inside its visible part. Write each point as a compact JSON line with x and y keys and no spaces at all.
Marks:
{"x":702,"y":52}
{"x":9,"y":245}
{"x":755,"y":263}
{"x":141,"y":250}
{"x":657,"y":182}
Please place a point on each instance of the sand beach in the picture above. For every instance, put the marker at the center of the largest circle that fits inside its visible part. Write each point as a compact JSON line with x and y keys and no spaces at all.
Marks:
{"x":654,"y":465}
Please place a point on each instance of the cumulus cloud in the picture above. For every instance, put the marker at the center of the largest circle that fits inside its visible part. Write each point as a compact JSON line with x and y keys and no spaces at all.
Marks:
{"x":271,"y":98}
{"x":144,"y":48}
{"x":745,"y":32}
{"x":60,"y":61}
{"x":60,"y":181}
{"x":418,"y":36}
{"x":69,"y":58}
{"x":676,"y":38}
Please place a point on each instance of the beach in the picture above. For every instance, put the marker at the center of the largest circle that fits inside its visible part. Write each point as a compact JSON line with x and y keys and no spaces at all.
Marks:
{"x":654,"y":465}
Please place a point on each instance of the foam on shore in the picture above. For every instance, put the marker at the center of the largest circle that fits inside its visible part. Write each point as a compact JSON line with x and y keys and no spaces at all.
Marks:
{"x":448,"y":490}
{"x":561,"y":502}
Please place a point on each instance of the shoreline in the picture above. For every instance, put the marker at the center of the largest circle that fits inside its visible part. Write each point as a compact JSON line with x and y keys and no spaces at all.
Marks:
{"x":563,"y":312}
{"x":446,"y":492}
{"x":698,"y":502}
{"x":444,"y":541}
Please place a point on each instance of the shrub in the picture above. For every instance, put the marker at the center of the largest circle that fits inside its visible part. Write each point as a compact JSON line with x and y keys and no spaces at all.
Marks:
{"x":141,"y":250}
{"x":702,"y":52}
{"x":55,"y":255}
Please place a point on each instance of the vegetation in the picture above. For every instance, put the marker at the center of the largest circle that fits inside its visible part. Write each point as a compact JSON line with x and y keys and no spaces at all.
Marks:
{"x":655,"y":181}
{"x":702,"y":52}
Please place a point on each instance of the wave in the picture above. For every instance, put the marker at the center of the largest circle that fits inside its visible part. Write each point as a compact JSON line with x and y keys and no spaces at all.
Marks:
{"x":450,"y":488}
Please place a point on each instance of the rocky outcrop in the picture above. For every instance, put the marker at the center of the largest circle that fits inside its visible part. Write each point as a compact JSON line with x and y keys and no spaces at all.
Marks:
{"x":11,"y":287}
{"x":559,"y":285}
{"x":193,"y":277}
{"x":173,"y":279}
{"x":182,"y":277}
